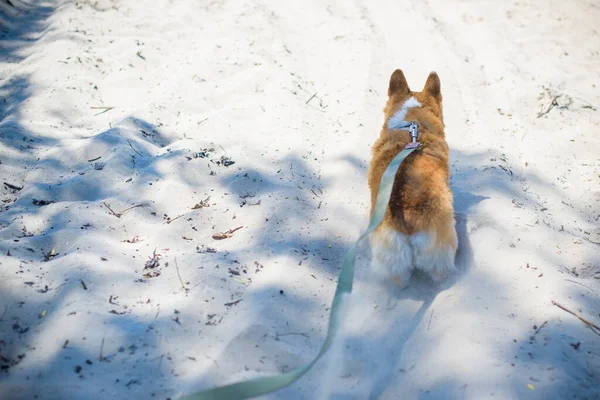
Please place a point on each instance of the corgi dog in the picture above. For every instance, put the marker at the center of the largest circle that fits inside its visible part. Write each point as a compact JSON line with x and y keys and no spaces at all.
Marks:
{"x":418,"y":230}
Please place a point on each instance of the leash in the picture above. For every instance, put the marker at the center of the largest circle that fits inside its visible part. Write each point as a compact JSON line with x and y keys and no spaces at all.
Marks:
{"x":261,"y":386}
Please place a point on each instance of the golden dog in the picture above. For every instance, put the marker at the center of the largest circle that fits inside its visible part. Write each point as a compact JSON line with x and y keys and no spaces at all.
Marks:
{"x":418,"y":231}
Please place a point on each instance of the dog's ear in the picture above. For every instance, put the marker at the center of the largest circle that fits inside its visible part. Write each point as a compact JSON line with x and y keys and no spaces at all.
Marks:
{"x":433,"y":86}
{"x":398,"y":83}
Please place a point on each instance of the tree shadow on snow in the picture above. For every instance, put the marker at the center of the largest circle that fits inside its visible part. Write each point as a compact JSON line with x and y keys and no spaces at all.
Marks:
{"x":156,"y":346}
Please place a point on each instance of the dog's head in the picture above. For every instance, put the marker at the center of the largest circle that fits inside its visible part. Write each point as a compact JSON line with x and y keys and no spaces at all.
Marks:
{"x":400,"y":97}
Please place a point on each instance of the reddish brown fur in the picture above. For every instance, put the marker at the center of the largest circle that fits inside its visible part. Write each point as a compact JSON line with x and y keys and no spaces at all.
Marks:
{"x":421,"y":199}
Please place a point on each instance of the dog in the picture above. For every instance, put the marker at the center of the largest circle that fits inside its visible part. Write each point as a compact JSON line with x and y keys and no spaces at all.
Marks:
{"x":418,"y":230}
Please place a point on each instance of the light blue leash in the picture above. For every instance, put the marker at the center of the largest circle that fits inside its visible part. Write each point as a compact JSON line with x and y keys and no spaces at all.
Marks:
{"x":260,"y":386}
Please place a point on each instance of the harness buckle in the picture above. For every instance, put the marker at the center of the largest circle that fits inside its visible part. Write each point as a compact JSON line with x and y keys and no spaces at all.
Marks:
{"x":413,"y":128}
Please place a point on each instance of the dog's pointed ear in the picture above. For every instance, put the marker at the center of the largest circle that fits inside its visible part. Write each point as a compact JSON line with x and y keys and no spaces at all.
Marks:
{"x":433,"y":86}
{"x":398,"y":83}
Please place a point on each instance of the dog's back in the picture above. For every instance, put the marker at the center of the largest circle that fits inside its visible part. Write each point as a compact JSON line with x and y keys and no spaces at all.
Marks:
{"x":418,"y":228}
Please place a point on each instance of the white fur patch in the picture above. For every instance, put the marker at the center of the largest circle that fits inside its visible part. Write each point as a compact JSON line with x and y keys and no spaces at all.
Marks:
{"x":391,"y":255}
{"x":397,"y":121}
{"x":437,"y":261}
{"x":396,"y":255}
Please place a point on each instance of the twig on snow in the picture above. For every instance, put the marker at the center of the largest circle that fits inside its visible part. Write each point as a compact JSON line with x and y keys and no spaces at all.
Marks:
{"x":227,"y":234}
{"x":13,"y":187}
{"x":130,"y":145}
{"x":595,"y":328}
{"x":100,"y":356}
{"x":120,"y":214}
{"x":185,"y":289}
{"x":311,"y":97}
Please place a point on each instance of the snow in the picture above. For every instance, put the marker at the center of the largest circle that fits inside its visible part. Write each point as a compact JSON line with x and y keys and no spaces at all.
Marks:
{"x":108,"y":105}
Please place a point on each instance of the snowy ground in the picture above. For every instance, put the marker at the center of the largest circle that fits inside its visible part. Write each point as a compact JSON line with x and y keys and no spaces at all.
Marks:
{"x":119,"y":123}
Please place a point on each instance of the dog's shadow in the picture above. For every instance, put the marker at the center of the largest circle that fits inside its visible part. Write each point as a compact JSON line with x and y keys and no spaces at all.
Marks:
{"x":381,"y":354}
{"x":421,"y":289}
